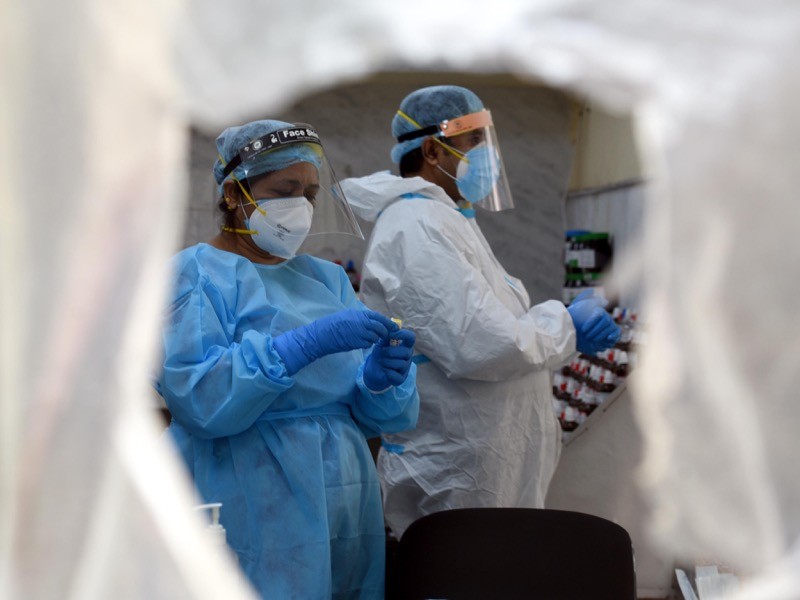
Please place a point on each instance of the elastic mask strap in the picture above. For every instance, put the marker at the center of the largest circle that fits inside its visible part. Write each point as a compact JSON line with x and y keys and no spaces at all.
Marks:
{"x":251,"y":201}
{"x":451,"y":150}
{"x":467,"y":209}
{"x":409,"y":119}
{"x":241,"y":187}
{"x":244,"y":231}
{"x":446,"y":173}
{"x":249,"y":197}
{"x":241,"y":231}
{"x":419,"y":132}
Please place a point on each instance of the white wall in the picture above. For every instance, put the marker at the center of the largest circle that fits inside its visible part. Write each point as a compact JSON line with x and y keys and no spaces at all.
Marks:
{"x":606,"y":149}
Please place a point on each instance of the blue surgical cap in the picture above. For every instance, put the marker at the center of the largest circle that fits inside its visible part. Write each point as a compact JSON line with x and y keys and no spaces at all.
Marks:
{"x":430,"y":106}
{"x":233,"y":139}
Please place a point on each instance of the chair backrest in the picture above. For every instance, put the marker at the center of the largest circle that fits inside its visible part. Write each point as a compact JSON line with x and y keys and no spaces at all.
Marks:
{"x":514,"y":553}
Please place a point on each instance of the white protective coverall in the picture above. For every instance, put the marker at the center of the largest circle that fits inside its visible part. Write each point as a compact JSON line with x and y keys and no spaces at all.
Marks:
{"x":487,"y":435}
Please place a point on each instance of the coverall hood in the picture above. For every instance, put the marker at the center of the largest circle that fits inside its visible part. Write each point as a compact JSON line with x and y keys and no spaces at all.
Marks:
{"x":369,"y":196}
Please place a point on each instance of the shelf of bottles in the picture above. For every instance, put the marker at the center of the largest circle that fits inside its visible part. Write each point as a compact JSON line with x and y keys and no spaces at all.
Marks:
{"x":587,"y":256}
{"x":589,"y":381}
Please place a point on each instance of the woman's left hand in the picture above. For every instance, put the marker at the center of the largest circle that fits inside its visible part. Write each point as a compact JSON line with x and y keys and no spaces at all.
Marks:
{"x":388,"y":365}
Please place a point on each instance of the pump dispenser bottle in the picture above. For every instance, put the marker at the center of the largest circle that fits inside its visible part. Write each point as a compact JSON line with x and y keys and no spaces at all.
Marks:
{"x":215,"y":530}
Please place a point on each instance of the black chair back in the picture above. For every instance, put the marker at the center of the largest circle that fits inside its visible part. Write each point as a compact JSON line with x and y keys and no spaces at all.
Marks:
{"x":510,"y":553}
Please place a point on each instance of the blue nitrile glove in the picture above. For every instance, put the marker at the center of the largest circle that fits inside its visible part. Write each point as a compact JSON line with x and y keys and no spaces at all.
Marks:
{"x":594,"y":327}
{"x":605,"y":332}
{"x":389,"y":365}
{"x":340,"y":332}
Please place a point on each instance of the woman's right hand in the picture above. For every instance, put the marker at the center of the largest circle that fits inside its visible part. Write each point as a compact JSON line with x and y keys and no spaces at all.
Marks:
{"x":340,"y":332}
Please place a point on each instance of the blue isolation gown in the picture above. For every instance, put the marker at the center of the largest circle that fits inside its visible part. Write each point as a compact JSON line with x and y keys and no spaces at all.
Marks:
{"x":286,"y":456}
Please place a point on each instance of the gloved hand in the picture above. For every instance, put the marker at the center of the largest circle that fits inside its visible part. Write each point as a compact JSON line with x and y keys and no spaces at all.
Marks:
{"x":340,"y":332}
{"x":595,"y":328}
{"x":389,"y":365}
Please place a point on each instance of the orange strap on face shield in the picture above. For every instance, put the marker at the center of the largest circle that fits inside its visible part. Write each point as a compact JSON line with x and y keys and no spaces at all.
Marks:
{"x":449,"y":127}
{"x":460,"y":125}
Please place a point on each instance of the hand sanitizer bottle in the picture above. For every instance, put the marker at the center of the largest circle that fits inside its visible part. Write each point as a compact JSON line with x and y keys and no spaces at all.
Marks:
{"x":214,"y":529}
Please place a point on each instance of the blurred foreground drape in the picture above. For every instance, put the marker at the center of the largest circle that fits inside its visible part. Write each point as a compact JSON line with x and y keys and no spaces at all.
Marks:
{"x":96,"y":99}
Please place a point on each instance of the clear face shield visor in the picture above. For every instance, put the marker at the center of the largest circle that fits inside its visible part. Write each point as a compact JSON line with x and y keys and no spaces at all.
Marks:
{"x":290,"y":164}
{"x":481,"y":174}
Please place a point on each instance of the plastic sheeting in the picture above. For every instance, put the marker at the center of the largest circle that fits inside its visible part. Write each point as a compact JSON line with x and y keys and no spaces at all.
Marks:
{"x":96,"y":95}
{"x":93,"y":504}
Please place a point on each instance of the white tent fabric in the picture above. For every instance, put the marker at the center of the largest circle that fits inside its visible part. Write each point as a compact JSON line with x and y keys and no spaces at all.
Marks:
{"x":96,"y":98}
{"x":92,"y":504}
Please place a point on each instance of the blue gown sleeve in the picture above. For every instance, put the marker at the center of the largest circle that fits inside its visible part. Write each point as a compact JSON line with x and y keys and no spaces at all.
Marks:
{"x":391,"y":411}
{"x":214,"y":385}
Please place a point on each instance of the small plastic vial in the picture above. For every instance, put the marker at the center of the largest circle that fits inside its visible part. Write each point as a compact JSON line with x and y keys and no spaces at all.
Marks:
{"x":399,"y":323}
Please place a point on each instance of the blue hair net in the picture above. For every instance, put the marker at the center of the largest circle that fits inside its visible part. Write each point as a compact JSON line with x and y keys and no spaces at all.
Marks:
{"x":233,"y":139}
{"x":430,"y":106}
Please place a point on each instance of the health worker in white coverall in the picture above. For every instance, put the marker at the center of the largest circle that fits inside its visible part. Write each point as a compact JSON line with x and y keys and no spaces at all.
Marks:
{"x":486,"y":435}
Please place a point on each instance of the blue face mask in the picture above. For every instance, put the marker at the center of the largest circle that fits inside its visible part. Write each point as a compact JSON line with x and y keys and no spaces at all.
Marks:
{"x":476,"y":176}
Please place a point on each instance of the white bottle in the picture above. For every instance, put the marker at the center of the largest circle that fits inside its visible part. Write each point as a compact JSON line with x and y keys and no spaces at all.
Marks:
{"x":215,"y":530}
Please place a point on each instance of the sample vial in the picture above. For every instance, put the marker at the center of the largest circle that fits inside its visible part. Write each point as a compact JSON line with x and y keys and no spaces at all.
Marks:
{"x":399,"y":323}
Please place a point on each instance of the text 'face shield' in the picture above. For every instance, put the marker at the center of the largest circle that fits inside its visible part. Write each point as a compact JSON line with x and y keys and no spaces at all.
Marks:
{"x":481,"y":175}
{"x":291,"y":163}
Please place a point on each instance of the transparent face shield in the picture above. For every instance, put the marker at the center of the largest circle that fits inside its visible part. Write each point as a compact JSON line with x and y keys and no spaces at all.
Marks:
{"x":481,"y":174}
{"x":282,"y":167}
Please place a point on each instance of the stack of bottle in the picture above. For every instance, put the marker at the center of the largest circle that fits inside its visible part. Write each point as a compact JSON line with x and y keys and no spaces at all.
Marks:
{"x":588,"y":380}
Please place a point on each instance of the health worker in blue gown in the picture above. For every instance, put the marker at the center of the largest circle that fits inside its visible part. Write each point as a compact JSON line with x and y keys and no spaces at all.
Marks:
{"x":275,"y":374}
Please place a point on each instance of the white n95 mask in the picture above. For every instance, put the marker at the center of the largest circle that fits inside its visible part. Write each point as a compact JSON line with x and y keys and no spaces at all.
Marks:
{"x":283,"y":228}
